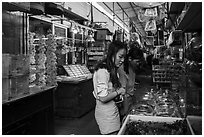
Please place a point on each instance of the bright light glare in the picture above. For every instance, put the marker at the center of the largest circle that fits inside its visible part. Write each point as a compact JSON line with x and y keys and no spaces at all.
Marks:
{"x":108,"y":14}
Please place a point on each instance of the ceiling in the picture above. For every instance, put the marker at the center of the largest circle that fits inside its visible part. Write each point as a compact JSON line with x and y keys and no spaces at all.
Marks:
{"x":127,"y":12}
{"x":130,"y":13}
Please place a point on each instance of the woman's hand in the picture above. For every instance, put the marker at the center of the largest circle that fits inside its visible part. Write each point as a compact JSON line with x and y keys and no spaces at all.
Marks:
{"x":121,"y":91}
{"x":112,"y":95}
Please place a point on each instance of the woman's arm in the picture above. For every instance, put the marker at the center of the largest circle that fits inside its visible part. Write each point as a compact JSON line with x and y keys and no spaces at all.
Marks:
{"x":109,"y":97}
{"x":112,"y":95}
{"x":102,"y":87}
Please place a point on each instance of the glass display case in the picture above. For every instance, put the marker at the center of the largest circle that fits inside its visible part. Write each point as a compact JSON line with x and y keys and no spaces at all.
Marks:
{"x":15,"y":57}
{"x":73,"y":95}
{"x":23,"y":62}
{"x":73,"y":73}
{"x":193,"y":60}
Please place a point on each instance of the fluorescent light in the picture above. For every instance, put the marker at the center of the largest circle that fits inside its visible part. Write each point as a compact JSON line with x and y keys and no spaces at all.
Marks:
{"x":101,"y":9}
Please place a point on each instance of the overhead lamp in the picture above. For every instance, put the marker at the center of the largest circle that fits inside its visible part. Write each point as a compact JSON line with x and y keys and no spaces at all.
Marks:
{"x":102,"y":10}
{"x":148,"y":4}
{"x":75,"y":31}
{"x":90,"y":37}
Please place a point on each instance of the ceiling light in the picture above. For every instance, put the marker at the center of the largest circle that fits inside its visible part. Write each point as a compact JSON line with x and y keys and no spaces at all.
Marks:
{"x":148,"y":4}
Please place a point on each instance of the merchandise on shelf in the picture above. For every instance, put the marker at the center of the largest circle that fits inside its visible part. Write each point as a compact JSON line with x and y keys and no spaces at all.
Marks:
{"x":51,"y":69}
{"x":95,"y":54}
{"x":74,"y":73}
{"x":19,"y":65}
{"x":161,"y":74}
{"x":149,"y":125}
{"x":166,"y":73}
{"x":40,"y":63}
{"x":15,"y":75}
{"x":165,"y":103}
{"x":32,"y":52}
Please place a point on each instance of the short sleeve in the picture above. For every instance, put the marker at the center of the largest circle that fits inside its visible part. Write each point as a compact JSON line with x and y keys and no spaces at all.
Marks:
{"x":102,"y":82}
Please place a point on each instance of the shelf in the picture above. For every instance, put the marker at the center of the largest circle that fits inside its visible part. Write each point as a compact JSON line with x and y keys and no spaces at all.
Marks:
{"x":90,"y":59}
{"x":95,"y":53}
{"x":159,"y":70}
{"x":96,"y":49}
{"x":162,"y":81}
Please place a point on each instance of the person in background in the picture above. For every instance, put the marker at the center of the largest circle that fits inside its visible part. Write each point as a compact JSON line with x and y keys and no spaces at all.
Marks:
{"x":139,"y":55}
{"x":149,"y":58}
{"x":127,"y":76}
{"x":155,"y":60}
{"x":107,"y":87}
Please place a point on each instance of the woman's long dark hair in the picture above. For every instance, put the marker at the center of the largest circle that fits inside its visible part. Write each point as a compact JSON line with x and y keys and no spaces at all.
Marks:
{"x":109,"y":64}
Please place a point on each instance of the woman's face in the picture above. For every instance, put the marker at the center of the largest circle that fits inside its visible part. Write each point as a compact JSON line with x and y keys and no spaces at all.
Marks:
{"x":120,"y":57}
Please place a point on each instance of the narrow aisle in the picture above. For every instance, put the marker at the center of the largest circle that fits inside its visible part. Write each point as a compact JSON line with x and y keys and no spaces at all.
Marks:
{"x":145,"y":83}
{"x":85,"y":125}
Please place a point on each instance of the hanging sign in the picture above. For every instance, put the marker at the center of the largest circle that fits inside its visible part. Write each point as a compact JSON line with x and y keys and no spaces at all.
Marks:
{"x":151,"y":12}
{"x":141,"y":15}
{"x":162,"y":12}
{"x":135,"y":37}
{"x":154,"y":31}
{"x":150,"y":40}
{"x":150,"y":25}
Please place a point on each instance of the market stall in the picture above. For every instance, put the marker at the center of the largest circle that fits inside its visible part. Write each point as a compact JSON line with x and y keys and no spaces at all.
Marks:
{"x":27,"y":96}
{"x":50,"y":50}
{"x":73,"y":96}
{"x":170,"y":106}
{"x":22,"y":114}
{"x":157,"y":107}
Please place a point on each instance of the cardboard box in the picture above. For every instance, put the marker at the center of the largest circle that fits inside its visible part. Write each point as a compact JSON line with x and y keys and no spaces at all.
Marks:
{"x":150,"y":118}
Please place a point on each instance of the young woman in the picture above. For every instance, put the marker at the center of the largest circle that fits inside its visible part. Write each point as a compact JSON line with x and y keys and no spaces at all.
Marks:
{"x":107,"y":87}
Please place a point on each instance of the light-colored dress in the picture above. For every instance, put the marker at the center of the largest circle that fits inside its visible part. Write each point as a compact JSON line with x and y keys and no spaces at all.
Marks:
{"x":106,"y":114}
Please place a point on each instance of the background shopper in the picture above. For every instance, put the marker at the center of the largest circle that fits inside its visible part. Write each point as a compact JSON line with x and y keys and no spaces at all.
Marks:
{"x":127,"y":76}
